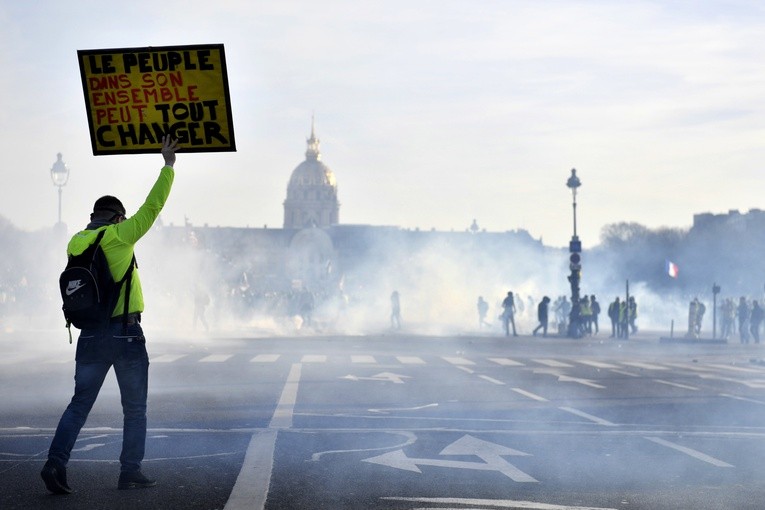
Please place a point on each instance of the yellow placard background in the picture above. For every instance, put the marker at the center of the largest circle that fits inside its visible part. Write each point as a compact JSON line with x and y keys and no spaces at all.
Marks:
{"x":135,"y":96}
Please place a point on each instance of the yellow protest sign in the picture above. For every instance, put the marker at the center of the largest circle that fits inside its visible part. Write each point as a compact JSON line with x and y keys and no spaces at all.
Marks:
{"x":135,"y":96}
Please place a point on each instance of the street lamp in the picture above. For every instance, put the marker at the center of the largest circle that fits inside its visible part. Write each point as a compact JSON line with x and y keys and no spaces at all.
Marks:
{"x":59,"y":173}
{"x":575,"y":264}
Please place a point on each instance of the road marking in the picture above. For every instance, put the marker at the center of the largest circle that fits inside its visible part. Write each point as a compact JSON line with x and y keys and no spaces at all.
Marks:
{"x":363,"y":359}
{"x":506,"y":362}
{"x":529,"y":394}
{"x":168,"y":358}
{"x":282,"y":418}
{"x":752,"y":383}
{"x":410,"y":360}
{"x":677,"y":385}
{"x":265,"y":358}
{"x":386,"y":410}
{"x":624,"y":372}
{"x":552,"y":363}
{"x":495,"y":503}
{"x":215,"y":358}
{"x":490,"y":453}
{"x":579,"y":380}
{"x":735,"y":368}
{"x":383,"y":376}
{"x":691,"y":452}
{"x":457,"y":361}
{"x":314,"y":358}
{"x":596,"y":364}
{"x":599,"y":421}
{"x":742,"y":398}
{"x":251,"y":487}
{"x":466,"y":369}
{"x":645,"y":366}
{"x":491,"y":380}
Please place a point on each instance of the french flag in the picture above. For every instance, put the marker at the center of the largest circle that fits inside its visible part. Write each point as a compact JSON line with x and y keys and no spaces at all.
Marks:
{"x":672,"y":269}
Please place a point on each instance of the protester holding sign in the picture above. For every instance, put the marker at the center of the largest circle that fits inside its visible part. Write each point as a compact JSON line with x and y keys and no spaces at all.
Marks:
{"x":120,"y":343}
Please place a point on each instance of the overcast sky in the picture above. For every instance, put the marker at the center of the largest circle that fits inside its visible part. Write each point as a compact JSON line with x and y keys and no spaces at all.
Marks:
{"x":430,"y":112}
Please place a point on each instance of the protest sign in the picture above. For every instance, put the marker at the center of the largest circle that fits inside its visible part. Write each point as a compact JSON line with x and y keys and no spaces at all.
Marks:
{"x":135,"y":96}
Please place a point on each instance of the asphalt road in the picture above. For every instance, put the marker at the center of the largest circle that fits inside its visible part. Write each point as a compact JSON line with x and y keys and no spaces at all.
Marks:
{"x":402,"y":422}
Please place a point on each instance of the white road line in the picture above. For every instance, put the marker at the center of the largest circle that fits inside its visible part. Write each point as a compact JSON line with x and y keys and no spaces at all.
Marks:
{"x":691,"y":452}
{"x":265,"y":358}
{"x":529,"y":394}
{"x":624,"y":372}
{"x":363,"y":359}
{"x":552,"y":363}
{"x":466,"y":369}
{"x":727,"y":395}
{"x":645,"y":366}
{"x":251,"y":488}
{"x":313,"y":358}
{"x":168,"y":358}
{"x":457,"y":360}
{"x":735,"y":368}
{"x":506,"y":362}
{"x":410,"y":360}
{"x":599,"y":421}
{"x":282,"y":418}
{"x":596,"y":364}
{"x":215,"y":358}
{"x":491,"y":380}
{"x":677,"y":385}
{"x":493,"y":503}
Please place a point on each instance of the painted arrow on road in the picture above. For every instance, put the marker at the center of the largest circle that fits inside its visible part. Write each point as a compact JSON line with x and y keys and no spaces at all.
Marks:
{"x":490,"y":453}
{"x":383,"y":376}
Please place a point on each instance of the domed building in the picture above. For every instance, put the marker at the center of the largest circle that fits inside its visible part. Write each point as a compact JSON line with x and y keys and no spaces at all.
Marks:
{"x":311,"y":192}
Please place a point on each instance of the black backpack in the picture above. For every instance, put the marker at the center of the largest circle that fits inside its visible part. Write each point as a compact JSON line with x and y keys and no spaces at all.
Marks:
{"x":88,"y":290}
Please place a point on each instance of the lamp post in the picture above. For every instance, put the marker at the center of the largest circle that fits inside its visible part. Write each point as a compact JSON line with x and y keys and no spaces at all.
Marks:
{"x":59,"y":173}
{"x":575,"y":264}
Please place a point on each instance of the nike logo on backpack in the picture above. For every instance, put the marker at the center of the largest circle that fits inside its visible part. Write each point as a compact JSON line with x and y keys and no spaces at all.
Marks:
{"x":73,"y":286}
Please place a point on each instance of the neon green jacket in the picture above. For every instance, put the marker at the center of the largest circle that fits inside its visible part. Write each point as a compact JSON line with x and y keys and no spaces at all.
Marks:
{"x":120,"y":239}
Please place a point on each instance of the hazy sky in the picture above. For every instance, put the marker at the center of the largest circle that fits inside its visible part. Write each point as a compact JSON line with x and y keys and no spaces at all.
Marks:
{"x":430,"y":112}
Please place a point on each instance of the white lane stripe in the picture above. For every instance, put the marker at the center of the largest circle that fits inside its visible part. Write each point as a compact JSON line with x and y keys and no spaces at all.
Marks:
{"x":691,"y":452}
{"x":596,"y":364}
{"x":491,"y":380}
{"x":457,"y":360}
{"x":624,"y":372}
{"x":677,"y":385}
{"x":265,"y":358}
{"x":466,"y":369}
{"x":282,"y":418}
{"x":215,"y":358}
{"x":363,"y":359}
{"x":645,"y":366}
{"x":251,"y":488}
{"x":552,"y":363}
{"x":735,"y":369}
{"x":506,"y":362}
{"x":168,"y":358}
{"x":529,"y":394}
{"x":410,"y":360}
{"x":250,"y":491}
{"x":313,"y":358}
{"x":493,"y":503}
{"x":727,"y":395}
{"x":599,"y":421}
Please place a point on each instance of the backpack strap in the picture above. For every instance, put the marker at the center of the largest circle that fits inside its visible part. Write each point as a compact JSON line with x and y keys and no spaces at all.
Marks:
{"x":127,"y":280}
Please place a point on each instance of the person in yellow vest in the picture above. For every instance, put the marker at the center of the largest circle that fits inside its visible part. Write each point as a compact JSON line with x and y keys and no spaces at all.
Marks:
{"x":120,"y":343}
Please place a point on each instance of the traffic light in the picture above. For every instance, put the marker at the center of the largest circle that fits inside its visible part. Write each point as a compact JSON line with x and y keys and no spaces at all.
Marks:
{"x":575,"y":262}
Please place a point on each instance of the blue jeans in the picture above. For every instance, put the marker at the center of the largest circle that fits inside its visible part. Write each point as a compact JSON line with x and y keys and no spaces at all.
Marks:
{"x":97,"y":351}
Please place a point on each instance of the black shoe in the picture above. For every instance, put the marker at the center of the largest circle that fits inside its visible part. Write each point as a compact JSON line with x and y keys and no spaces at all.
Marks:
{"x":134,"y":480}
{"x":54,"y":476}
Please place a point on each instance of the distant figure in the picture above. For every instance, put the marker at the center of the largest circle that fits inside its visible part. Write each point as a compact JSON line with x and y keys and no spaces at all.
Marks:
{"x":395,"y":310}
{"x":743,"y":318}
{"x":632,"y":306}
{"x":728,"y":312}
{"x":755,"y":319}
{"x":585,"y":312}
{"x":201,"y":300}
{"x":613,"y":314}
{"x":483,"y":310}
{"x":508,"y":314}
{"x":307,"y":304}
{"x":595,"y":307}
{"x":542,"y":316}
